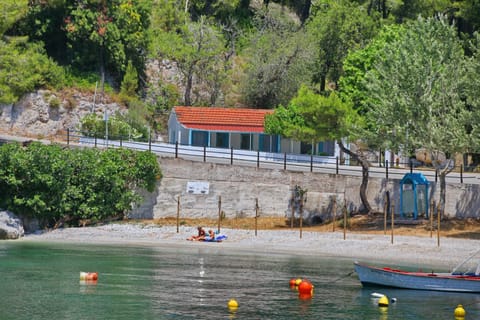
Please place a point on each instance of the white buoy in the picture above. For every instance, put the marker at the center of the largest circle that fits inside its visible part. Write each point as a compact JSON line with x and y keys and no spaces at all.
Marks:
{"x":377,"y":295}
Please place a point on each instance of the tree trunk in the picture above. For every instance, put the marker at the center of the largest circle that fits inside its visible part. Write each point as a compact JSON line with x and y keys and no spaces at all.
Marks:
{"x":323,"y":80}
{"x":443,"y":185}
{"x":305,"y":11}
{"x":102,"y":70}
{"x":188,"y":87}
{"x":365,"y":171}
{"x":442,"y":175}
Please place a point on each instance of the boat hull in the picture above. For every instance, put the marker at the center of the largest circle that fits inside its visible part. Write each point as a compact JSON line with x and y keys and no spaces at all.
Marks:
{"x":387,"y":277}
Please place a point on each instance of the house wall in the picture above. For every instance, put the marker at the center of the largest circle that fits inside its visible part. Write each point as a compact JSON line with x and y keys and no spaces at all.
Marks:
{"x":238,"y":188}
{"x":289,"y":146}
{"x":178,"y":133}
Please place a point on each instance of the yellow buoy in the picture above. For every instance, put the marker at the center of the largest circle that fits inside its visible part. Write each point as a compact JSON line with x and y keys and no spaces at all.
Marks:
{"x":459,"y":312}
{"x":298,"y":281}
{"x":232,"y":304}
{"x":383,"y":301}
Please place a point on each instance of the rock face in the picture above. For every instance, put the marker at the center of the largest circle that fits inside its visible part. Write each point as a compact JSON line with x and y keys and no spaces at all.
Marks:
{"x":11,"y":227}
{"x":44,"y":114}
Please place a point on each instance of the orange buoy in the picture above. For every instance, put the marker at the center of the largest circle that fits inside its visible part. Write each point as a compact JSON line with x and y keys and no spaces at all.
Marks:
{"x":292,"y":282}
{"x":89,"y":276}
{"x":305,"y":287}
{"x":305,"y":296}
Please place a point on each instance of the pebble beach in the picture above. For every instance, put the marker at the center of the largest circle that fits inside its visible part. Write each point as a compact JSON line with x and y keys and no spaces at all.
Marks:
{"x":371,"y":248}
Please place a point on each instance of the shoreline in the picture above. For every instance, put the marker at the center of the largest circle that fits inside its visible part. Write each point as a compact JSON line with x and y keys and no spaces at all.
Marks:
{"x":410,"y":251}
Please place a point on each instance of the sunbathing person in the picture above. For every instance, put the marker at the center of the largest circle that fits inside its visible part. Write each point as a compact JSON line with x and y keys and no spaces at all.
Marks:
{"x":199,"y":237}
{"x":211,"y":236}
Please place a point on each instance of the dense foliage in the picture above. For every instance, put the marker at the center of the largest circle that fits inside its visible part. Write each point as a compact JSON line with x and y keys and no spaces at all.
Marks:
{"x":23,"y":68}
{"x":57,"y":185}
{"x":228,"y":52}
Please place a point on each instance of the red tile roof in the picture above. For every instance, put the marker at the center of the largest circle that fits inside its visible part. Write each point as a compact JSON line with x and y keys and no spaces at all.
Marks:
{"x":222,"y":119}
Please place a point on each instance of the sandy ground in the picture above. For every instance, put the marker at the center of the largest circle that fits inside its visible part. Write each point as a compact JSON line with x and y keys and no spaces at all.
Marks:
{"x":374,"y":247}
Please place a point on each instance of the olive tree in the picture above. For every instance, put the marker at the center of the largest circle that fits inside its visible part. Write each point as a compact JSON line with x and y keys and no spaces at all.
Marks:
{"x":417,"y":93}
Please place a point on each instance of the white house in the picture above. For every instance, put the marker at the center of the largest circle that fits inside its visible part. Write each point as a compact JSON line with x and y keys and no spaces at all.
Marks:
{"x":237,"y":128}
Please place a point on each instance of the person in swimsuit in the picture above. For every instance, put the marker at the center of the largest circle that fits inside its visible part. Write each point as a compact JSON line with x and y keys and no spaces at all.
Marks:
{"x":211,"y":235}
{"x":201,"y":235}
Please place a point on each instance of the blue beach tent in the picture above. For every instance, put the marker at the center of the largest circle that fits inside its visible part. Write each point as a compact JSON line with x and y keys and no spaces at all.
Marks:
{"x":414,"y":195}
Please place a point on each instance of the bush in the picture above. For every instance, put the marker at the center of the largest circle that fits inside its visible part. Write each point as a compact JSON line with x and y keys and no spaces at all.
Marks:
{"x":24,"y":67}
{"x":58,"y":186}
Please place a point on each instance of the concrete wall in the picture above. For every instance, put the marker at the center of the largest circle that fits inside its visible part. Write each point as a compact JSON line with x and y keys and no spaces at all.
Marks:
{"x":238,"y":188}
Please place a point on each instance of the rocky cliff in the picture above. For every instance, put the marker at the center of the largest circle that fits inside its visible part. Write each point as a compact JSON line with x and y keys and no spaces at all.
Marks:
{"x":45,"y":114}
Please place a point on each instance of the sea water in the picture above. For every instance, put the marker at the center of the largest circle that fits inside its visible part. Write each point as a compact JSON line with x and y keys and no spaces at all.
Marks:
{"x":41,"y":281}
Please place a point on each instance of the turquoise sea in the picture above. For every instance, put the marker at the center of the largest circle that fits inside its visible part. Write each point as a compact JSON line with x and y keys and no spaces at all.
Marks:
{"x":41,"y":281}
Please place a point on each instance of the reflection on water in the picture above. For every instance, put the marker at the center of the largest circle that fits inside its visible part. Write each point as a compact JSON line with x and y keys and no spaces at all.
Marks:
{"x":41,"y":281}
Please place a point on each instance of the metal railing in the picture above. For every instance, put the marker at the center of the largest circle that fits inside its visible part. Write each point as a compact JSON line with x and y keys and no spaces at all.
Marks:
{"x":269,"y":160}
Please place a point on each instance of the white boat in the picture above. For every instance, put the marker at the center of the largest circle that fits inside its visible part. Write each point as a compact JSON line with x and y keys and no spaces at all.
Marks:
{"x":468,"y":281}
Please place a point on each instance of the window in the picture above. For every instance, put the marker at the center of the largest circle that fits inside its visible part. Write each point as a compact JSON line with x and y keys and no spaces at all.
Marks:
{"x":222,"y":140}
{"x":245,"y":141}
{"x":267,"y":143}
{"x":199,"y":138}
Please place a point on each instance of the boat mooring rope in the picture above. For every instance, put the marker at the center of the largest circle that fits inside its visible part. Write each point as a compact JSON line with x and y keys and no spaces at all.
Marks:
{"x":342,"y":277}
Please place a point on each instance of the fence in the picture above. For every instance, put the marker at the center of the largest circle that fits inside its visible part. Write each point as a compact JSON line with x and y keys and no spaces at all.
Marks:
{"x":268,"y":160}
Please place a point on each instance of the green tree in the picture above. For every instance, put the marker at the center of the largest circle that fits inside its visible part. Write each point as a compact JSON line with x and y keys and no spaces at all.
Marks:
{"x":10,"y":12}
{"x":336,"y":29}
{"x":107,"y":34}
{"x":351,"y":85}
{"x":129,"y":84}
{"x":467,"y":14}
{"x":411,"y":9}
{"x":311,"y":117}
{"x":418,"y":93}
{"x":275,"y":72}
{"x":25,"y":67}
{"x":472,"y":87}
{"x":221,"y":10}
{"x":196,"y":47}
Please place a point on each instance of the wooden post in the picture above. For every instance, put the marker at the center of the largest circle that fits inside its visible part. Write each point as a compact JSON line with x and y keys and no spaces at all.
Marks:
{"x":344,"y":221}
{"x":386,"y":169}
{"x":432,"y":211}
{"x":385,"y":209}
{"x":438,"y":224}
{"x":301,"y":216}
{"x":149,"y":140}
{"x":178,"y":212}
{"x":256,"y":215}
{"x":334,"y":213}
{"x":393,"y":217}
{"x":461,"y":173}
{"x":219,"y":212}
{"x":292,"y":217}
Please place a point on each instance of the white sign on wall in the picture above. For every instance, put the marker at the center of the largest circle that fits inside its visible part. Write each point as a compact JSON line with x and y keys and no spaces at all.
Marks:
{"x":198,"y":187}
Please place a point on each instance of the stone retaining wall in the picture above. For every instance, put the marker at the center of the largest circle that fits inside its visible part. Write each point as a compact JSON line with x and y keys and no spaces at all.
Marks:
{"x":239,"y":187}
